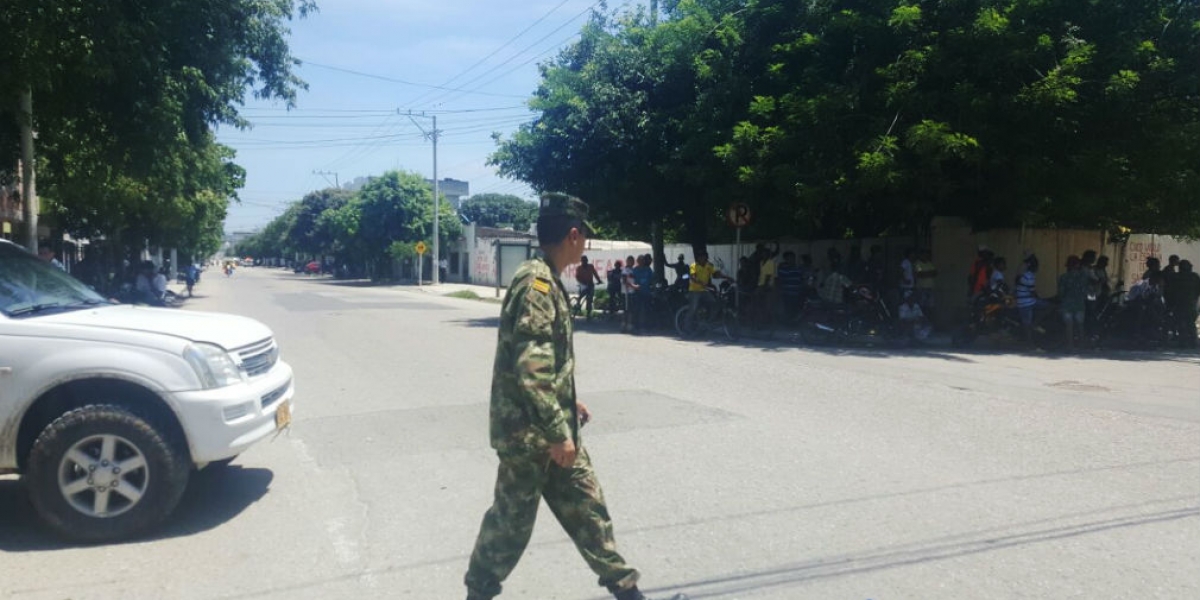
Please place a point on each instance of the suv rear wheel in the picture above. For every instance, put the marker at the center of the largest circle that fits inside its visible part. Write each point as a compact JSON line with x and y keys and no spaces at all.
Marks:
{"x":102,"y":473}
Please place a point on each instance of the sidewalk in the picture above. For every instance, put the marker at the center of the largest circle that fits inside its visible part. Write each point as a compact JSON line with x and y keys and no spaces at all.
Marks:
{"x":443,"y":289}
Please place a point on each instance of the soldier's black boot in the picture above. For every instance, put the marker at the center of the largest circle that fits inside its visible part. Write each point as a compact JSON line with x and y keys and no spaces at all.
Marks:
{"x":635,"y":594}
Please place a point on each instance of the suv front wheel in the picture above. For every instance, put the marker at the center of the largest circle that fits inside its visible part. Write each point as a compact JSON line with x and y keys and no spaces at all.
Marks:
{"x":102,"y":473}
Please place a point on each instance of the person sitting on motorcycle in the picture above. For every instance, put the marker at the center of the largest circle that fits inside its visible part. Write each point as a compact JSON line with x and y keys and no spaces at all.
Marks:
{"x":997,"y":282}
{"x":833,"y":289}
{"x":151,"y":286}
{"x":1145,"y":304}
{"x":911,"y":319}
{"x":700,"y":276}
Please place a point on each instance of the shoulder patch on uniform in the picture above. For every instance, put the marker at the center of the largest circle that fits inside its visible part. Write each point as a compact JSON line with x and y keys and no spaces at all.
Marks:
{"x":541,"y":285}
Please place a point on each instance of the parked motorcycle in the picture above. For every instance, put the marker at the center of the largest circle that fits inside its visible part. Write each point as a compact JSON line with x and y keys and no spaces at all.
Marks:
{"x":996,"y":312}
{"x":865,"y":319}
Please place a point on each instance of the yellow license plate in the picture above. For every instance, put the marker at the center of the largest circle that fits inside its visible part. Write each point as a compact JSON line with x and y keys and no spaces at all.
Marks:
{"x":283,"y":415}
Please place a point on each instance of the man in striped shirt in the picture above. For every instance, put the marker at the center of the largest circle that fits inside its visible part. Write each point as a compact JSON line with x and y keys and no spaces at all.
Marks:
{"x":1025,"y":292}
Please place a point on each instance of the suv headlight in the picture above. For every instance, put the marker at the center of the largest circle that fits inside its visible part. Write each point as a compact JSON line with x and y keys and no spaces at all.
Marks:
{"x":213,"y":365}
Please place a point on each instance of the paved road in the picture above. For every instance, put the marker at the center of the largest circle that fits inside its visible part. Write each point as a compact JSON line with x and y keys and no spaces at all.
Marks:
{"x":732,"y":471}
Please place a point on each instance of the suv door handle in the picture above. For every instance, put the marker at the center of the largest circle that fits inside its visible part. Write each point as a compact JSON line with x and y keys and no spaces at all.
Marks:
{"x":5,"y":370}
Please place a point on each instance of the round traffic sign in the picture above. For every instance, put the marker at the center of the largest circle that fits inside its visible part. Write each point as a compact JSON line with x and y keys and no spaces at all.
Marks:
{"x":738,"y":214}
{"x":421,"y":247}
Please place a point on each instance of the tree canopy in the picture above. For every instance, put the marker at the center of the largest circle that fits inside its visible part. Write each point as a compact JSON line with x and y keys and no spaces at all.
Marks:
{"x":499,"y":210}
{"x":832,"y":116}
{"x":362,"y":229}
{"x":125,"y":98}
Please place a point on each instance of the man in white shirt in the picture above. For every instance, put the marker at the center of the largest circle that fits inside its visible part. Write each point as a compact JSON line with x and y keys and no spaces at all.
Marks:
{"x":151,"y":286}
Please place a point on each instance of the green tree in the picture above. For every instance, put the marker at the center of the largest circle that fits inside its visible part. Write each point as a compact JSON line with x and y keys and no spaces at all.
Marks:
{"x":628,"y":119}
{"x":876,"y":116}
{"x":307,"y":233}
{"x":397,"y":207}
{"x":154,"y":80}
{"x":499,"y":210}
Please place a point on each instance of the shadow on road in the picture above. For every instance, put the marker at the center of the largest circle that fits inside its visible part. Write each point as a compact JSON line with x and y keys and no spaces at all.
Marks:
{"x":483,"y":322}
{"x":786,"y":339}
{"x":212,"y":499}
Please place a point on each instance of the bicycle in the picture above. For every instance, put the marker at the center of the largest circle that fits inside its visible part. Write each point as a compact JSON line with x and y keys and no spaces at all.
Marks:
{"x":578,"y":303}
{"x":724,"y":317}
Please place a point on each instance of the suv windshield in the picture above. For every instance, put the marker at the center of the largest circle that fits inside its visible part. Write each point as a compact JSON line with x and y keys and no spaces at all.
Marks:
{"x":31,"y":286}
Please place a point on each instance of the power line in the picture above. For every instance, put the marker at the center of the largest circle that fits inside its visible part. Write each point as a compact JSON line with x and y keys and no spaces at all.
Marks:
{"x":367,"y":114}
{"x":523,"y":51}
{"x":405,"y":82}
{"x":510,"y":40}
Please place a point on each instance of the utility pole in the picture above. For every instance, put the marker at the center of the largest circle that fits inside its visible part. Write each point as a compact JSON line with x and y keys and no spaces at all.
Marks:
{"x":435,"y":272}
{"x":335,"y":177}
{"x":29,"y":199}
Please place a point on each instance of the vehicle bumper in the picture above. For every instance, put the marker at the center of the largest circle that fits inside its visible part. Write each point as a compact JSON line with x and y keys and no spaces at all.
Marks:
{"x":224,"y":422}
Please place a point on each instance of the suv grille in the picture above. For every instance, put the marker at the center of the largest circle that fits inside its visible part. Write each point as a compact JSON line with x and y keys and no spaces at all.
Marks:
{"x":259,"y":357}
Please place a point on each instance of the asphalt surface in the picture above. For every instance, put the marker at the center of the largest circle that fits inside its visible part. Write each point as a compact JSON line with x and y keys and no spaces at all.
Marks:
{"x":751,"y":470}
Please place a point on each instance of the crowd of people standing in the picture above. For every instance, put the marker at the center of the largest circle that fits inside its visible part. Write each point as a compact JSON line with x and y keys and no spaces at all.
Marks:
{"x":779,"y":285}
{"x":1162,"y":302}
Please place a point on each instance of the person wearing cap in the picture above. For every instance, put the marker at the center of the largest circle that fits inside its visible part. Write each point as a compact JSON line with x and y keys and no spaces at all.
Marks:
{"x":980,"y":273}
{"x":535,"y":420}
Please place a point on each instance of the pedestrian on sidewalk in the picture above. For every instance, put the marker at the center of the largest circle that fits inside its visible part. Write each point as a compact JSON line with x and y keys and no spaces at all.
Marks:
{"x":536,"y":420}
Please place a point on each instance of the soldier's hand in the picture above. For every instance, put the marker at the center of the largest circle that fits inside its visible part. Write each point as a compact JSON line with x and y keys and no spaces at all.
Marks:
{"x":563,"y":453}
{"x":585,"y":415}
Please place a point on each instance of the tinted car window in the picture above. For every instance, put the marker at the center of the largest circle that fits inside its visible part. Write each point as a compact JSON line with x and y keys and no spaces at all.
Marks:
{"x":30,"y":286}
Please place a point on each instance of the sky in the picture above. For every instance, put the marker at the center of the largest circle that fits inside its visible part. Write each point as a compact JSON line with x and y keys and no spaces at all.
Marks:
{"x":473,"y":63}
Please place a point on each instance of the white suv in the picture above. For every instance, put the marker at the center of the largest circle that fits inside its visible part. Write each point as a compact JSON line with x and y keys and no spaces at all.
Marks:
{"x":106,"y":409}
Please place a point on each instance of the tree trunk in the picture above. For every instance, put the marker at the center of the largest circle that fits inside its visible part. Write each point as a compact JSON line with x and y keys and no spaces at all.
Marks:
{"x":696,"y":221}
{"x":29,"y":200}
{"x":656,"y":247}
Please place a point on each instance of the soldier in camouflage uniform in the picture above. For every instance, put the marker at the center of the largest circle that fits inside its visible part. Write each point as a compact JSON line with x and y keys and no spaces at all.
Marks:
{"x":535,"y":421}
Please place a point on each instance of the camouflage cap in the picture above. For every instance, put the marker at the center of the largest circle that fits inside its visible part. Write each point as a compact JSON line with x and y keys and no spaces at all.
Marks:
{"x":557,"y":204}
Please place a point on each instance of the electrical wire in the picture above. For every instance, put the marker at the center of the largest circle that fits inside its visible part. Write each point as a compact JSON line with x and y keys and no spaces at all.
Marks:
{"x":506,"y":44}
{"x":403,"y":81}
{"x":445,"y":97}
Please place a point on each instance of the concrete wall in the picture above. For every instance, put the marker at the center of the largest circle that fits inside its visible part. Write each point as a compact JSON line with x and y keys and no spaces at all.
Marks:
{"x":725,"y":255}
{"x":1141,"y":246}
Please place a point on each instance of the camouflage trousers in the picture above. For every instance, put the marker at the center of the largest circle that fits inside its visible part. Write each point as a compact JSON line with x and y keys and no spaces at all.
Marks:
{"x":573,"y":495}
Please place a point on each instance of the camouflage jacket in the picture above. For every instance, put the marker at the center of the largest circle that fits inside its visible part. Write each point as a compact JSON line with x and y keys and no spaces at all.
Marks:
{"x":533,"y":379}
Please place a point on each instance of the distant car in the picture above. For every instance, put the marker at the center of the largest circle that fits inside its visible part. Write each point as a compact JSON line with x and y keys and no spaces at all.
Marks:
{"x":313,"y":267}
{"x":106,"y":409}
